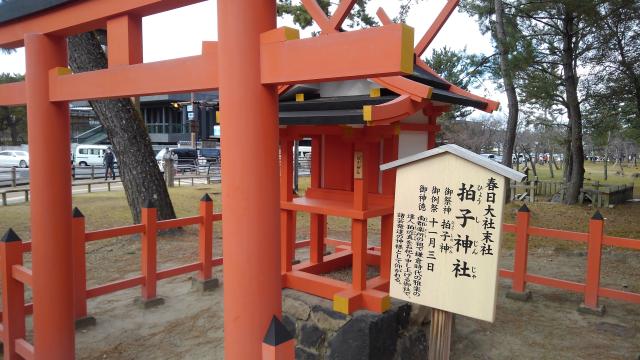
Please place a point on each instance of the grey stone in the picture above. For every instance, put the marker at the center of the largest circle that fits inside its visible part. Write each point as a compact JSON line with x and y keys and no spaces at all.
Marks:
{"x":352,"y":341}
{"x":296,"y":308}
{"x":304,"y":354}
{"x":204,"y":285}
{"x":413,"y":345}
{"x":383,"y":335}
{"x":403,"y":314}
{"x":148,"y":304}
{"x":290,"y":323}
{"x":311,"y":336}
{"x":599,"y":311}
{"x":328,"y":319}
{"x":519,"y":296}
{"x":85,"y":322}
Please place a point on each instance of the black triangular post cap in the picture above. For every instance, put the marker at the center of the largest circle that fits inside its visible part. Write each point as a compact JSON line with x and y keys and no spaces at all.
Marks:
{"x":524,"y":208}
{"x":277,"y":333}
{"x":597,"y":216}
{"x":206,"y":198}
{"x":148,"y":204}
{"x":10,"y":236}
{"x":77,"y":213}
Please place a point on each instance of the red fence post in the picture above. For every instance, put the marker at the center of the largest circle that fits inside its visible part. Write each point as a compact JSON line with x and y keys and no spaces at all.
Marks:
{"x":205,"y":281}
{"x":80,"y":272}
{"x":594,"y":258}
{"x":518,"y":282}
{"x":149,"y":261}
{"x":13,"y":314}
{"x":278,"y":344}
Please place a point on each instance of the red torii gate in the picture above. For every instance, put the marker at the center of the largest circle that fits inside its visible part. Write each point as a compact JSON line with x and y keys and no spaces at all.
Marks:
{"x":255,"y":59}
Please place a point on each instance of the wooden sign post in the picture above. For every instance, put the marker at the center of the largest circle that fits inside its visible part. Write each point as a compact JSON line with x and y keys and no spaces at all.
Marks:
{"x":446,"y":242}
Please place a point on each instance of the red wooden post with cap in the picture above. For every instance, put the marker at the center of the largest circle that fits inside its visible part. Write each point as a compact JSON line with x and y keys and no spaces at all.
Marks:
{"x":594,"y":258}
{"x":149,"y":252}
{"x":278,"y":343}
{"x":13,"y":325}
{"x":79,"y":271}
{"x":205,"y":280}
{"x":518,"y":283}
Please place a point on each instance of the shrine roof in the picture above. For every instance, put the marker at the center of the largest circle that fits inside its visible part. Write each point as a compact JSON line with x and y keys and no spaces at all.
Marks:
{"x":16,"y":9}
{"x":462,"y":153}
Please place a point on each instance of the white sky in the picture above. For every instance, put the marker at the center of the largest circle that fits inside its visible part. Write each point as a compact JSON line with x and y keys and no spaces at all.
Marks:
{"x":180,"y":32}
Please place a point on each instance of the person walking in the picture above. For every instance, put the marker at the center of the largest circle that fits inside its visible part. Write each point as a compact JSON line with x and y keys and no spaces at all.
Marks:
{"x":108,"y":161}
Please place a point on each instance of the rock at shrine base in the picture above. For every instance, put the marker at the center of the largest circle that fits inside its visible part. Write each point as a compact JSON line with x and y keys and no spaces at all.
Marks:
{"x":148,"y":303}
{"x":85,"y":322}
{"x":598,"y":311}
{"x":322,"y":333}
{"x":204,"y":285}
{"x":520,"y":296}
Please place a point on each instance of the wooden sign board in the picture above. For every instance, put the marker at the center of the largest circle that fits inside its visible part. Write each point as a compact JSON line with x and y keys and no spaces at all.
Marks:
{"x":447,"y":231}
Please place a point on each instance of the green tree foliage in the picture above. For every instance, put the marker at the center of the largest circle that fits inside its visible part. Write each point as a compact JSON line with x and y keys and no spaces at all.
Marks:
{"x":461,"y":69}
{"x":357,"y":18}
{"x":13,"y":125}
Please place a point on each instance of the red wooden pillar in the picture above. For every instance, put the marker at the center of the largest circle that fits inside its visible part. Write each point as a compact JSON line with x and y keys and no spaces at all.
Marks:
{"x":149,"y":260}
{"x":594,"y":258}
{"x":359,"y":226}
{"x":318,"y":221}
{"x":251,"y":232}
{"x":13,"y":314}
{"x":287,"y":217}
{"x":49,"y":138}
{"x":205,"y":280}
{"x":80,"y":271}
{"x":518,"y":283}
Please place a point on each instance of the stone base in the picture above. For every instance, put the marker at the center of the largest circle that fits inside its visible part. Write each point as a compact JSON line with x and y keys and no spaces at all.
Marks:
{"x":204,"y":285}
{"x":599,"y":311}
{"x":148,"y":304}
{"x":322,"y":333}
{"x":85,"y":322}
{"x":520,"y":296}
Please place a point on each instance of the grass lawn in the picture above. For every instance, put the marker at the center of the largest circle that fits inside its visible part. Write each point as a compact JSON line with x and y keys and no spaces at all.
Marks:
{"x":595,"y":172}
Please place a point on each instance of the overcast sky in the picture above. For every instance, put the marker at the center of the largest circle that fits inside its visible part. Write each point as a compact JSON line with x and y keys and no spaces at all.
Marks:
{"x":180,"y":32}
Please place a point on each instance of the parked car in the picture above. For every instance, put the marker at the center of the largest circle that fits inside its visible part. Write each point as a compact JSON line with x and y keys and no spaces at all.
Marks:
{"x":494,"y":157}
{"x":88,"y":155}
{"x":209,"y":155}
{"x":17,"y":158}
{"x":187,"y":158}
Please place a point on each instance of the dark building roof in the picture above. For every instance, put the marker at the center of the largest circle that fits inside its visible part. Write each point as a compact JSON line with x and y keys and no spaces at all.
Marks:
{"x":15,"y":9}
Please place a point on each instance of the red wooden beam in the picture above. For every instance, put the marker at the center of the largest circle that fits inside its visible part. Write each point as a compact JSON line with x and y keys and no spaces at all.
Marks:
{"x":435,"y":27}
{"x":81,"y":16}
{"x":12,"y":94}
{"x":341,"y":56}
{"x":194,"y":73}
{"x":395,"y":110}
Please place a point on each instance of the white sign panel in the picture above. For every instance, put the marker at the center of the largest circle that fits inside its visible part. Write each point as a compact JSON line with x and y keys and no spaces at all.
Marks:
{"x":447,"y":229}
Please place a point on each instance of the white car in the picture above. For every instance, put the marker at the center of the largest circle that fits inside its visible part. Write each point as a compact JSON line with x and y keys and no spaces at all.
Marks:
{"x":88,"y":155}
{"x":17,"y":158}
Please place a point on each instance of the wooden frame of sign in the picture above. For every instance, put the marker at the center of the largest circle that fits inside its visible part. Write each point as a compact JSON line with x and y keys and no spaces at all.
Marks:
{"x":447,"y":231}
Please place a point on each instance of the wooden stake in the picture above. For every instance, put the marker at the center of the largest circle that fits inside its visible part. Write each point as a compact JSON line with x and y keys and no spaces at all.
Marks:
{"x":440,"y":334}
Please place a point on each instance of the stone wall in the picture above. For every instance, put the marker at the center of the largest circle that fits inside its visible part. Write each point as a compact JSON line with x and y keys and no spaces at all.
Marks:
{"x":321,"y":333}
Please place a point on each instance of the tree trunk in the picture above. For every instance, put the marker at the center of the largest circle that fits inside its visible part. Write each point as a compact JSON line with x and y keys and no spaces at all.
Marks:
{"x":139,"y":171}
{"x":510,"y":89}
{"x":606,"y":156}
{"x":12,"y":123}
{"x":570,"y":80}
